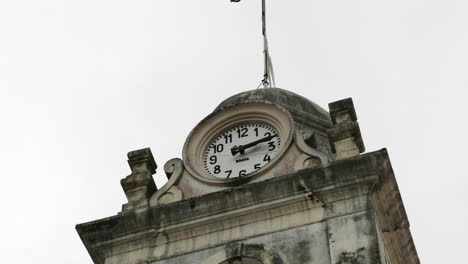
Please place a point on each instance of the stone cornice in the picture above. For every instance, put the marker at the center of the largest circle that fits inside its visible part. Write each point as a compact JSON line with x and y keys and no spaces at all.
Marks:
{"x":316,"y":185}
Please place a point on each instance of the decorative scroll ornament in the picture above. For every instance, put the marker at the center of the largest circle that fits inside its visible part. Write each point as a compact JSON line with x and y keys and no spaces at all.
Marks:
{"x":170,"y":193}
{"x":312,"y":158}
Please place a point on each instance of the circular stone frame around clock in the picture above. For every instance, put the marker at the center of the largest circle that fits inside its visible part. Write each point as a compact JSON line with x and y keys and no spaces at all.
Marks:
{"x":218,"y":122}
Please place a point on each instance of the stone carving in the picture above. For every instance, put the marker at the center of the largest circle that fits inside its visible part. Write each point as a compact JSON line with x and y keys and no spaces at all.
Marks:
{"x":345,"y":135}
{"x":139,"y":186}
{"x":312,"y":158}
{"x":170,"y":192}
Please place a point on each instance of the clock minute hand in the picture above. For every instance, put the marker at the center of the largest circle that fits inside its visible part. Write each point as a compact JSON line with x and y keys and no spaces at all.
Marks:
{"x":242,"y":148}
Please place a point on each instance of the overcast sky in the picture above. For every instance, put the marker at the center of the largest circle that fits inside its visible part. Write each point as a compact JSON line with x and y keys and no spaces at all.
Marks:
{"x":84,"y":82}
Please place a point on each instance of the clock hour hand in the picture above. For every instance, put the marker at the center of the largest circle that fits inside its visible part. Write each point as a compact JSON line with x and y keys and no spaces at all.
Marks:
{"x":240,"y":149}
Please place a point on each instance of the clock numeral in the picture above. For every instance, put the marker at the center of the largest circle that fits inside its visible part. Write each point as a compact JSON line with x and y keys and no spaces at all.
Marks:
{"x":213,"y":160}
{"x":271,"y":146}
{"x":228,"y":173}
{"x":217,"y":169}
{"x":242,"y":132}
{"x":228,"y":138}
{"x":267,"y":158}
{"x":256,"y":131}
{"x":267,"y":134}
{"x":257,"y":166}
{"x":218,"y":148}
{"x":242,"y":173}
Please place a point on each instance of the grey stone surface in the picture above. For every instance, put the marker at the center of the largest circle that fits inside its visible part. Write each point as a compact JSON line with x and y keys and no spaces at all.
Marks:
{"x":294,"y":103}
{"x":353,"y":239}
{"x":345,"y":135}
{"x":199,"y":257}
{"x":139,"y":186}
{"x":315,"y":215}
{"x":306,"y":244}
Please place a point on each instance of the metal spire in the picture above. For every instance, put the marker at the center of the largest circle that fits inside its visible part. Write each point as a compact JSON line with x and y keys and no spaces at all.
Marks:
{"x":268,"y":75}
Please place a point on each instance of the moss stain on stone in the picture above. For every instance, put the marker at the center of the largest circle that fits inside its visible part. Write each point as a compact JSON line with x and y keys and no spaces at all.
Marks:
{"x":355,"y":257}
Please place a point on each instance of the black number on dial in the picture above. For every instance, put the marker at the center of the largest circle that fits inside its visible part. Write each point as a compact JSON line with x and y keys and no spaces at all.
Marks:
{"x":217,"y":169}
{"x":242,"y":132}
{"x":256,"y":131}
{"x":228,"y":138}
{"x":218,"y":148}
{"x":213,"y":160}
{"x":271,"y":146}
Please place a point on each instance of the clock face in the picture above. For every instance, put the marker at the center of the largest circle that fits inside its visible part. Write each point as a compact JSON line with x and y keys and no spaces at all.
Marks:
{"x":241,"y":150}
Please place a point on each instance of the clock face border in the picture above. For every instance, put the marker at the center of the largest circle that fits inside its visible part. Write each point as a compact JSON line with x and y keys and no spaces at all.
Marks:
{"x":217,"y":123}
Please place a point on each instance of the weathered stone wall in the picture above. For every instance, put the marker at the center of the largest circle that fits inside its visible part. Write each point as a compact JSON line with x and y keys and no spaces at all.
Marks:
{"x":332,"y":214}
{"x":348,"y":239}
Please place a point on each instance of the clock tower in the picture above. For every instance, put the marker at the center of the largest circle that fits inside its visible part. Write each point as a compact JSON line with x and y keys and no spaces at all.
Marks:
{"x":269,"y":177}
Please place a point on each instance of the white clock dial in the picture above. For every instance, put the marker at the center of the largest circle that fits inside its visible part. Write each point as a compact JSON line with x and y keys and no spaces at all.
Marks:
{"x":241,"y":150}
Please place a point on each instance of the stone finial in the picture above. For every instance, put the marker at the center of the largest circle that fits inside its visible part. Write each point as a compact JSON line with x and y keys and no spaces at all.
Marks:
{"x":142,"y":160}
{"x":139,"y":185}
{"x":345,"y":135}
{"x":343,"y":110}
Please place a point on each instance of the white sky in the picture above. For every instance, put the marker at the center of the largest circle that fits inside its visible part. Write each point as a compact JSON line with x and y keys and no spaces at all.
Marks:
{"x":84,"y":82}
